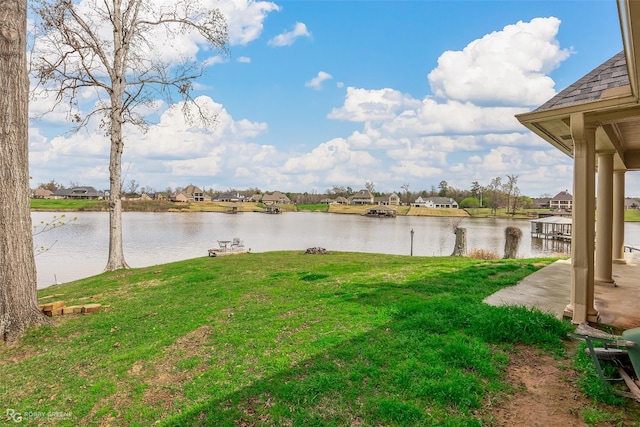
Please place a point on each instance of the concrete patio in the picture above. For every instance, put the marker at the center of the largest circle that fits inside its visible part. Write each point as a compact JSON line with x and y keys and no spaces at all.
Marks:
{"x":549,"y":291}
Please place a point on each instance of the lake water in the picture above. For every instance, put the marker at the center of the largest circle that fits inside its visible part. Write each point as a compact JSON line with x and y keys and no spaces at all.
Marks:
{"x":80,"y":248}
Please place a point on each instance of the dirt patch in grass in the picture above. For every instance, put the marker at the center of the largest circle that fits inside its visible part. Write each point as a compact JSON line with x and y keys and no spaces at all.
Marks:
{"x":545,"y":394}
{"x":17,"y":357}
{"x":165,"y":384}
{"x":163,"y":377}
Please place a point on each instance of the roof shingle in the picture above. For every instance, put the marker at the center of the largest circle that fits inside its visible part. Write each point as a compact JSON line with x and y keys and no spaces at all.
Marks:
{"x":611,"y":74}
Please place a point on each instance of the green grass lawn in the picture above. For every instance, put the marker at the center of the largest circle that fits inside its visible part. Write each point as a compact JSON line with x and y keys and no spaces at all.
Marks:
{"x":632,"y":215}
{"x":279,"y":338}
{"x":318,"y":207}
{"x":68,"y":205}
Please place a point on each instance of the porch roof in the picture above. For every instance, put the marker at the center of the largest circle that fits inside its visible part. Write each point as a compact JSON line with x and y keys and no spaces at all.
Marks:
{"x":608,"y":97}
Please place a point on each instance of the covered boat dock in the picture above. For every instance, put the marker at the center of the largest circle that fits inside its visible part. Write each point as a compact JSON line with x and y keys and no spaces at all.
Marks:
{"x":381,"y":211}
{"x":551,"y":227}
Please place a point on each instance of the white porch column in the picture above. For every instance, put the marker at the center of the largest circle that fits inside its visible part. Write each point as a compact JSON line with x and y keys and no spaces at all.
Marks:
{"x":604,"y":223}
{"x":581,"y":307}
{"x":617,"y":254}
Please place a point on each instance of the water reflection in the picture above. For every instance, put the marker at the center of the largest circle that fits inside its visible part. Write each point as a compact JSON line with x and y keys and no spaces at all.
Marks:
{"x":553,"y":246}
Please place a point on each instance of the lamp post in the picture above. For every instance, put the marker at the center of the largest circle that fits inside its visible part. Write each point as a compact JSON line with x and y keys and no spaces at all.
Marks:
{"x":412,"y":242}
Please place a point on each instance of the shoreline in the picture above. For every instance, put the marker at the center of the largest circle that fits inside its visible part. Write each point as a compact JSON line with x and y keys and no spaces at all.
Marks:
{"x":66,"y":206}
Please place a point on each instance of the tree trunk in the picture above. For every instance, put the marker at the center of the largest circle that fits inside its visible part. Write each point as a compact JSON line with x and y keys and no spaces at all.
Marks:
{"x":460,"y":249}
{"x":116,"y":252}
{"x":512,"y":242}
{"x":116,"y":259}
{"x":18,"y":285}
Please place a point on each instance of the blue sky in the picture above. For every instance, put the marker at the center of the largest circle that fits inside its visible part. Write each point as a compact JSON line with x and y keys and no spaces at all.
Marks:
{"x":316,"y":94}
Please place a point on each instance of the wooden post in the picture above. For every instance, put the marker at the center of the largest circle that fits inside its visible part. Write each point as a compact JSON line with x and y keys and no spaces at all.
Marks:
{"x":512,"y":242}
{"x":460,"y":249}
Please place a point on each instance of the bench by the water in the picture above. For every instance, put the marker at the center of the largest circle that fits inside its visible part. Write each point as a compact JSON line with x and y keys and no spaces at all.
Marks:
{"x":631,"y":248}
{"x":227,"y":246}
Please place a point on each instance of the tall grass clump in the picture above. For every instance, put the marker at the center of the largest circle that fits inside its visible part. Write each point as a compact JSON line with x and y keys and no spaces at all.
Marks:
{"x":483,"y":254}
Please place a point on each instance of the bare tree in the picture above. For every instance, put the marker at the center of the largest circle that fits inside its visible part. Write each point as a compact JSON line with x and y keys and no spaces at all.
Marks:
{"x":509,"y":187}
{"x":132,"y":187}
{"x":18,"y":286}
{"x":494,"y":187}
{"x":110,"y":48}
{"x":369,"y":185}
{"x":405,"y":188}
{"x":516,"y":200}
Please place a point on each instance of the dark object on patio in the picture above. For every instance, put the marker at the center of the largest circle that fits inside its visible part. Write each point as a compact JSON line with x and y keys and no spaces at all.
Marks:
{"x":623,"y":351}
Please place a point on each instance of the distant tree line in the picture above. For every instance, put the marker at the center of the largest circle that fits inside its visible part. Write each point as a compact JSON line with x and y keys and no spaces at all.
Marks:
{"x":499,"y":193}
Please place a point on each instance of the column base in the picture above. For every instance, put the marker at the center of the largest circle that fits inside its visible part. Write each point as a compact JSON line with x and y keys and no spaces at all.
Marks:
{"x":609,"y":283}
{"x":568,"y":312}
{"x":619,"y":261}
{"x":593,"y":316}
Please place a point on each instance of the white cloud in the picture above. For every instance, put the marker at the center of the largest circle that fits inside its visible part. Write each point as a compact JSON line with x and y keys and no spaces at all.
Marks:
{"x":244,"y":60}
{"x":502,"y":160}
{"x":454,"y":117}
{"x":327,"y":155}
{"x":209,"y":165}
{"x":434,"y":148}
{"x":548,"y":157}
{"x":461,"y":133}
{"x":213,"y":60}
{"x":466,"y":130}
{"x":546,"y":179}
{"x":317,"y":81}
{"x":173,"y":138}
{"x":245,"y":18}
{"x":362,"y":105}
{"x":44,"y":107}
{"x":289,"y":37}
{"x":415,"y":169}
{"x":474,"y":159}
{"x":173,"y":145}
{"x":510,"y":66}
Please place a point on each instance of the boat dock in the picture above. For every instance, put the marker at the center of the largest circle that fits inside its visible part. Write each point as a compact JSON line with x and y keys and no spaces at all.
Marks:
{"x":551,"y":227}
{"x":272,"y":209}
{"x":381,"y":212}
